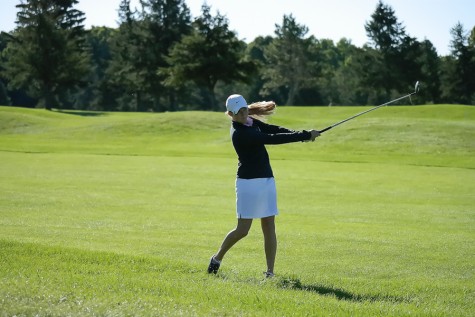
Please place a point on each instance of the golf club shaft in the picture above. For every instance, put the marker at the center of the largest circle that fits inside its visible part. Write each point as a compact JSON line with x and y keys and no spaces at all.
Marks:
{"x":362,"y":113}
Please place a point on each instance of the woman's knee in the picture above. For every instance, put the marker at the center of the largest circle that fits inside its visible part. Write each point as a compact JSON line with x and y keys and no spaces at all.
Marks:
{"x":241,"y":233}
{"x":243,"y":227}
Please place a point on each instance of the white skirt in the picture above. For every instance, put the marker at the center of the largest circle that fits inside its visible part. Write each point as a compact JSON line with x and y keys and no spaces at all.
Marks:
{"x":256,"y":198}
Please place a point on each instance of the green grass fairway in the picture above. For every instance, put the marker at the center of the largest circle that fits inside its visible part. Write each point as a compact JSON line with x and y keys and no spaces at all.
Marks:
{"x":117,"y":214}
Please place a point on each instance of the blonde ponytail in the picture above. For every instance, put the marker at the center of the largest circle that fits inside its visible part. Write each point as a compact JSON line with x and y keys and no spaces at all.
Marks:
{"x":260,"y":110}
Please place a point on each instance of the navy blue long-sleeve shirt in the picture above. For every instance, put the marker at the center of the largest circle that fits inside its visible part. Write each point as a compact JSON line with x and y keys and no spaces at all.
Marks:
{"x":249,"y":143}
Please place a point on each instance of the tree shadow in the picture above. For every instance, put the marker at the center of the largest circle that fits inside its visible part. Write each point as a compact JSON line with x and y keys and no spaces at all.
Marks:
{"x":82,"y":113}
{"x":338,"y":293}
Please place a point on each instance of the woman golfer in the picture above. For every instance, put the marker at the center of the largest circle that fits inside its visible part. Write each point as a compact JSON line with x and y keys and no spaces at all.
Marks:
{"x":255,"y":186}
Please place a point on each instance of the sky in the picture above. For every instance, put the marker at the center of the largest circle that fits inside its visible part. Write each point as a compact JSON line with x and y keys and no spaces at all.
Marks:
{"x":325,"y":19}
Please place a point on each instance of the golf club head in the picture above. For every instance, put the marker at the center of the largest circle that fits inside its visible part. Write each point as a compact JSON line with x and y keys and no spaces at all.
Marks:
{"x":416,"y":87}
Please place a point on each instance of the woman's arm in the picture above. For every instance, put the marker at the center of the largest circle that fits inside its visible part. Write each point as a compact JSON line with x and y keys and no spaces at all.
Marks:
{"x":251,"y":136}
{"x":269,"y":128}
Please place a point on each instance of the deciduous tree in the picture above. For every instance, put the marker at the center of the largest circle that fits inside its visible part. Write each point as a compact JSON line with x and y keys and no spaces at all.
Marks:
{"x":290,"y":64}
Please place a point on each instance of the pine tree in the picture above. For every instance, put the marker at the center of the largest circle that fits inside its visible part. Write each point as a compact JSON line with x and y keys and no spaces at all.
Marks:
{"x":124,"y":71}
{"x":48,"y":56}
{"x":210,"y":54}
{"x":384,"y":30}
{"x":389,"y":40}
{"x":458,"y":81}
{"x":141,"y":47}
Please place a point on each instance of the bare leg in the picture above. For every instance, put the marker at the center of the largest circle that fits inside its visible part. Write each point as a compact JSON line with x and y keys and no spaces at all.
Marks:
{"x":270,"y":241}
{"x":234,"y":236}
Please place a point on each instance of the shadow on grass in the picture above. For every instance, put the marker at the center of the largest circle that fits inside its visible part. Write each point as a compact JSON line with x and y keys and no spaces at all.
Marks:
{"x":338,"y":293}
{"x":82,"y":113}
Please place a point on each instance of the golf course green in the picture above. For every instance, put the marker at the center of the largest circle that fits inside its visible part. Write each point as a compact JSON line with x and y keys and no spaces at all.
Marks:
{"x":117,"y":214}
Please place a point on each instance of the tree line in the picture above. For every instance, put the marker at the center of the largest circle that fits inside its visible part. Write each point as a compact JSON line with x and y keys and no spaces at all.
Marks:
{"x":159,"y":58}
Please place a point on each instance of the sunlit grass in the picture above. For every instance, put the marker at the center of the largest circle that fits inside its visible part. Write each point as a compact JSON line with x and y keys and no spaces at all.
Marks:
{"x":118,"y":214}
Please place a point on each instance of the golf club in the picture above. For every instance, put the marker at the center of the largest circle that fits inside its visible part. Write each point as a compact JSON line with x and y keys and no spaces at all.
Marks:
{"x":416,"y":90}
